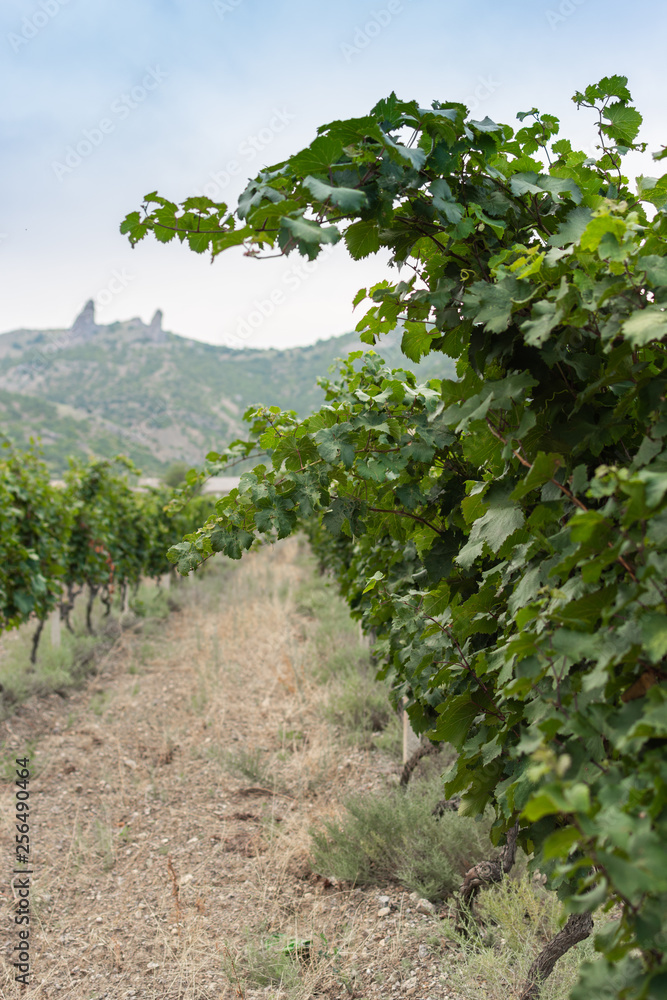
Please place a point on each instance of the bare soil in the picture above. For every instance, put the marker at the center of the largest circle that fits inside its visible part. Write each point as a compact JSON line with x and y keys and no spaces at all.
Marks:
{"x":171,"y":800}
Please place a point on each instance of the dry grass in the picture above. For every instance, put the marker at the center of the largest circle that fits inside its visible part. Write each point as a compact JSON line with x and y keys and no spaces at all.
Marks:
{"x":172,"y":799}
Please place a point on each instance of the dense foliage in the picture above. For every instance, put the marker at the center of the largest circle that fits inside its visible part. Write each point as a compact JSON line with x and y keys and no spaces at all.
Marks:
{"x":95,"y":530}
{"x":32,"y":531}
{"x":505,"y":532}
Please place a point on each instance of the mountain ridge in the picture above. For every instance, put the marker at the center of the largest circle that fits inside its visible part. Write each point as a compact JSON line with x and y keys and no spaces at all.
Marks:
{"x":134,"y":388}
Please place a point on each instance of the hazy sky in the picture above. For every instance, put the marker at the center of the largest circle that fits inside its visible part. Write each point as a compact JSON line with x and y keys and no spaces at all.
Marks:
{"x":191,"y":96}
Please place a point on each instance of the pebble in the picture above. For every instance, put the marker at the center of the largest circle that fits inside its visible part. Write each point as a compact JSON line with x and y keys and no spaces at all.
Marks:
{"x":384,"y":911}
{"x":425,"y":906}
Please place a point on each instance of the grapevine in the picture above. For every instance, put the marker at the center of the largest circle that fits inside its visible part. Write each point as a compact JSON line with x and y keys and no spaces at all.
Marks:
{"x":503,"y":533}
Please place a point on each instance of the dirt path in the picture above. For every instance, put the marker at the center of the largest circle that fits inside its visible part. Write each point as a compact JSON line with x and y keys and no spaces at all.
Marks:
{"x":170,"y":805}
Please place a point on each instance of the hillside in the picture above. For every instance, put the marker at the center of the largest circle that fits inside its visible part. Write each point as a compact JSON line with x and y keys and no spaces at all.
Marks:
{"x":155,"y":396}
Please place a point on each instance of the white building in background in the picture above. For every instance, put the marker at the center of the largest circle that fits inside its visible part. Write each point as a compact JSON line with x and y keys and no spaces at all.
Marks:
{"x":219,"y":485}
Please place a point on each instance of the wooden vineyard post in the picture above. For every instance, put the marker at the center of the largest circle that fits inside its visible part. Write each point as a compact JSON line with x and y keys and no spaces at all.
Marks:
{"x":410,"y":739}
{"x":55,"y":628}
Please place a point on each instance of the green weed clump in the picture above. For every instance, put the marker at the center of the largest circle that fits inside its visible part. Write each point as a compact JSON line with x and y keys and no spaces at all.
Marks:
{"x":514,"y":921}
{"x":301,"y":967}
{"x":267,"y":962}
{"x":153,"y":604}
{"x":251,"y":764}
{"x":393,"y":837}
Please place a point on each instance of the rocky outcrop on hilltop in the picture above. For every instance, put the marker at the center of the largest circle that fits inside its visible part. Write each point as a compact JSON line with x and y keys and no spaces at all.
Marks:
{"x":155,"y":331}
{"x":84,"y":326}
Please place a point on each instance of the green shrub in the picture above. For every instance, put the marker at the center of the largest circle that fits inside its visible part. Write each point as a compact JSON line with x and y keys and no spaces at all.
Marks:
{"x":516,"y":918}
{"x":393,"y":837}
{"x":270,"y":961}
